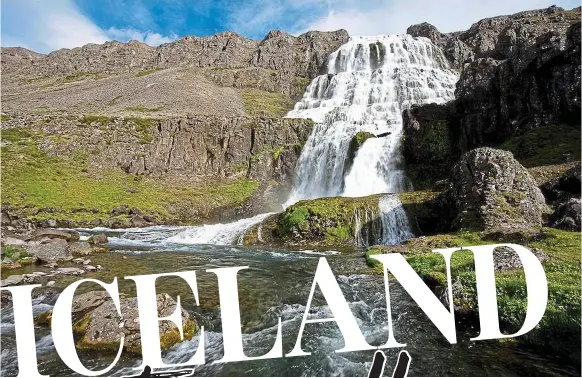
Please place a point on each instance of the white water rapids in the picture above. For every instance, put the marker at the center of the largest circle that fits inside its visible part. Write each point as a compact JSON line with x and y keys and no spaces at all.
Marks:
{"x":368,"y":82}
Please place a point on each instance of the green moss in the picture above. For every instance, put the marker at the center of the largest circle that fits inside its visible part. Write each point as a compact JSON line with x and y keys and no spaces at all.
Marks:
{"x":168,"y":339}
{"x":559,"y":329}
{"x":141,"y":124}
{"x":5,"y":118}
{"x":259,"y":103}
{"x":324,"y":221}
{"x":294,"y":219}
{"x":547,"y":145}
{"x":14,"y":253}
{"x":437,"y":141}
{"x":46,"y":187}
{"x":147,"y":72}
{"x":300,"y":84}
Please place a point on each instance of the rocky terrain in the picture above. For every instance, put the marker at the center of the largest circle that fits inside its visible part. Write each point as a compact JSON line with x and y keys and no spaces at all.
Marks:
{"x":518,"y":73}
{"x":191,"y":132}
{"x":225,"y":74}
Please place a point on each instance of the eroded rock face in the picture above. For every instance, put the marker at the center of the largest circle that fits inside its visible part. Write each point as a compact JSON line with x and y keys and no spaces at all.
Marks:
{"x":517,"y":72}
{"x":102,"y":327}
{"x":567,"y":216}
{"x":489,"y":189}
{"x":564,"y":187}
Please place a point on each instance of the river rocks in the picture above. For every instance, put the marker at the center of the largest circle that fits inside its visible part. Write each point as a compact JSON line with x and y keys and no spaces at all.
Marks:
{"x":489,"y":189}
{"x":12,"y":280}
{"x":102,"y":327}
{"x":68,"y":235}
{"x":13,"y":242}
{"x":80,"y":248}
{"x":50,"y":252}
{"x":98,"y":239}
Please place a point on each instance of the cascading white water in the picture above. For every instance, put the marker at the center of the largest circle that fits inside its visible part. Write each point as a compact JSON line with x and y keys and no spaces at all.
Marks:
{"x":220,"y":234}
{"x":368,"y":83}
{"x":389,"y":225}
{"x":395,"y":226}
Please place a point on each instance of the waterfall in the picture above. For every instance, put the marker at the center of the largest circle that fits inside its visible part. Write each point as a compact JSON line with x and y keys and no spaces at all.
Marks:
{"x":388,"y":226}
{"x":368,"y":83}
{"x":220,"y":234}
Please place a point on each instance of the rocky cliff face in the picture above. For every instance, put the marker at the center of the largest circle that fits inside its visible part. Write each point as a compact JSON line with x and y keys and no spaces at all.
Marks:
{"x":115,"y":171}
{"x":517,"y":72}
{"x":195,"y":146}
{"x":289,"y":60}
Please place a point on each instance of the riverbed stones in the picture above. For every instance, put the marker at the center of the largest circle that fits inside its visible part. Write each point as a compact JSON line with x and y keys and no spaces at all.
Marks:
{"x":98,"y":239}
{"x":489,"y":189}
{"x":80,"y":248}
{"x":68,"y":235}
{"x":103,"y":327}
{"x":50,"y":252}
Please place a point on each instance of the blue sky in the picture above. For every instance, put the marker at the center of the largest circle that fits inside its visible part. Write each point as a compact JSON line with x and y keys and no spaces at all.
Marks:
{"x":47,"y":25}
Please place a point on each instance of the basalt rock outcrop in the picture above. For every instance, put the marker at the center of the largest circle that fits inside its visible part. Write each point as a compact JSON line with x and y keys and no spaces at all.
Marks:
{"x":517,"y":72}
{"x":489,"y":189}
{"x":252,"y":158}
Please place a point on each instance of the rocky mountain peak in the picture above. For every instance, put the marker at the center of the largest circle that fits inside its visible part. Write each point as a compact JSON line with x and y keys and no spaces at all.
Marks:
{"x":425,"y":30}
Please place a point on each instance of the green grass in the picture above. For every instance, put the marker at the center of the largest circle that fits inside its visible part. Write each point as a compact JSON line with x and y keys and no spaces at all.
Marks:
{"x":14,"y":253}
{"x":143,"y":109}
{"x":559,"y":329}
{"x":547,"y":145}
{"x":96,"y":118}
{"x":259,"y":103}
{"x":147,"y":72}
{"x":46,"y":187}
{"x":5,"y":118}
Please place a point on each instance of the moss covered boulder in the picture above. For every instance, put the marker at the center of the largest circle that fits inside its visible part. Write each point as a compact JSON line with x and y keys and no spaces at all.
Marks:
{"x":102,"y":327}
{"x":489,"y":189}
{"x":328,"y":222}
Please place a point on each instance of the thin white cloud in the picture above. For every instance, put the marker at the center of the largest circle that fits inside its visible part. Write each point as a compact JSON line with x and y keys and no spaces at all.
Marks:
{"x":151,"y":38}
{"x":45,"y":26}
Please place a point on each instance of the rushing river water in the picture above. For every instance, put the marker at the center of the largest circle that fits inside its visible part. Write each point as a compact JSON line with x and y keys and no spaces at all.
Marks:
{"x":277,"y":284}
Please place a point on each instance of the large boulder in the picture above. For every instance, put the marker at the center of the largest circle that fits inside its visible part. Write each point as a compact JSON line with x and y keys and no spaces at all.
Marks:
{"x":68,"y":235}
{"x":489,"y":189}
{"x":335,"y":222}
{"x":50,"y":252}
{"x":102,"y":327}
